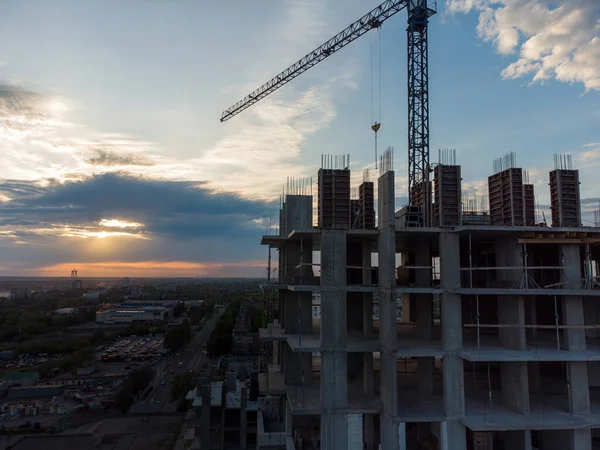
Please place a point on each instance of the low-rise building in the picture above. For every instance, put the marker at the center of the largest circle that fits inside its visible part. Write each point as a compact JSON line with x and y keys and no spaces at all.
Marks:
{"x":21,"y":379}
{"x":227,"y":411}
{"x":127,"y":316}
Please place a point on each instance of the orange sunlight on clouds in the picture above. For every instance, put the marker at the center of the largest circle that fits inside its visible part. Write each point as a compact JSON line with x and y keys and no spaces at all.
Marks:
{"x":152,"y":269}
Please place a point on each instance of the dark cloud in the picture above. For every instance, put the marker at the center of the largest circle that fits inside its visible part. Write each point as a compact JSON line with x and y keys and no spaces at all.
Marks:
{"x":175,"y":209}
{"x":104,"y":157}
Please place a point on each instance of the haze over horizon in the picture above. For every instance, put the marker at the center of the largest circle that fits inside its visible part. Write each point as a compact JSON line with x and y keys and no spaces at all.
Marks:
{"x":113,"y":160}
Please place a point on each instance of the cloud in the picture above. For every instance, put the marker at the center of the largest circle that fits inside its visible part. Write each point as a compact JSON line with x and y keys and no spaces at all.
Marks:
{"x":141,"y":207}
{"x":39,"y":139}
{"x":590,"y":156}
{"x":23,"y":112}
{"x":269,"y":140}
{"x":554,"y":39}
{"x":105,"y":157}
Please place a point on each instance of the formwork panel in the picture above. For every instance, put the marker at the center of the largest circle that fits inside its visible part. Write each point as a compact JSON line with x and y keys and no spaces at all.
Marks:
{"x":366,"y":199}
{"x":334,"y":198}
{"x":420,"y":198}
{"x":505,"y":191}
{"x":565,"y":198}
{"x":447,"y":196}
{"x":529,"y":205}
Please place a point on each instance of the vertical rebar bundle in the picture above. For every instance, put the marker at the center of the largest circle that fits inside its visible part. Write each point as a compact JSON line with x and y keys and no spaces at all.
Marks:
{"x":335,"y":162}
{"x":563,"y":162}
{"x":447,"y":156}
{"x":297,"y":186}
{"x":474,"y":204}
{"x":386,"y":161}
{"x":507,"y":161}
{"x":366,"y":176}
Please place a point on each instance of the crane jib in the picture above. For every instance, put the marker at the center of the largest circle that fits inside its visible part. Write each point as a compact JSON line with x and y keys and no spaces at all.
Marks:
{"x":372,"y":19}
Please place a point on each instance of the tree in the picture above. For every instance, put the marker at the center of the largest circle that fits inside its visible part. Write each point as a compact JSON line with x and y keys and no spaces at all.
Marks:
{"x":124,"y":399}
{"x":179,"y":309}
{"x":220,"y":341}
{"x":177,"y":336}
{"x":132,"y":386}
{"x":181,"y":384}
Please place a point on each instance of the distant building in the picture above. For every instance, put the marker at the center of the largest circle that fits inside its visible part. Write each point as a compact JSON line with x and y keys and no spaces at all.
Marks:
{"x":91,"y":296}
{"x":127,"y":316}
{"x":21,"y":379}
{"x":86,"y":370}
{"x":66,"y":311}
{"x":133,"y":290}
{"x":190,"y":303}
{"x":77,"y":284}
{"x":16,"y":294}
{"x":229,"y":408}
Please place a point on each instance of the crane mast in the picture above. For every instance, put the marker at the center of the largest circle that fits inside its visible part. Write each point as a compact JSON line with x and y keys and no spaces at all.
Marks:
{"x":419,"y":187}
{"x":419,"y":11}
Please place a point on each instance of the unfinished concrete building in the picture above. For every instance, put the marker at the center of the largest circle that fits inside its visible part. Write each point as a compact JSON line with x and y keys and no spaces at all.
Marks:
{"x":500,"y":351}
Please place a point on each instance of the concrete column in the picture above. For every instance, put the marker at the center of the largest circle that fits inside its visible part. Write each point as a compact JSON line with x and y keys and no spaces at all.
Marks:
{"x":334,"y":380}
{"x":572,"y":306}
{"x":454,"y":436}
{"x":402,"y":436}
{"x":243,"y":418}
{"x":368,"y":371}
{"x":577,"y":373}
{"x":453,"y":431}
{"x":511,"y":310}
{"x":388,"y":336}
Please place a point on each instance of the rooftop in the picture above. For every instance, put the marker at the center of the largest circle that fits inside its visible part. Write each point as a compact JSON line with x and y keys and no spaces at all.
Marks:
{"x":19,"y":375}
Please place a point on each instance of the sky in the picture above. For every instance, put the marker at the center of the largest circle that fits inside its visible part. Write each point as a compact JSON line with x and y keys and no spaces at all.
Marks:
{"x":113,"y":160}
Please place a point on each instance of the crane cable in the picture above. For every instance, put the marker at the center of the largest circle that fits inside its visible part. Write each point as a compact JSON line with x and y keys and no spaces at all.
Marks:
{"x":375,"y":119}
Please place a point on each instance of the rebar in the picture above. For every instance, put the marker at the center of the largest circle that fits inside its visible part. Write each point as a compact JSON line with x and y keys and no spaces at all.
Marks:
{"x":506,"y":161}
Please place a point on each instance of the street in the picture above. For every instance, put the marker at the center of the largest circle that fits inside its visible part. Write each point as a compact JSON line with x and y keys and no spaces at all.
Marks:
{"x":192,"y":358}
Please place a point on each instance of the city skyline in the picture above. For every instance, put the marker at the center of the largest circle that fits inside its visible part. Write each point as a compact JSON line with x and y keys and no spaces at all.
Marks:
{"x":114,"y":161}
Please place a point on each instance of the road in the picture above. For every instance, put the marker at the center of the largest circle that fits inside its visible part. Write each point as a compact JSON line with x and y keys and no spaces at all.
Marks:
{"x":192,"y":358}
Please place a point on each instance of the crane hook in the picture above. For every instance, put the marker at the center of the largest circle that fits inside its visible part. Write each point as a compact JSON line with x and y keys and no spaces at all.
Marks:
{"x":375,"y":127}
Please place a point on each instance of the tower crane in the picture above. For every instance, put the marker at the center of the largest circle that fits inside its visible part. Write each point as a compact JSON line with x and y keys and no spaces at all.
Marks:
{"x":419,"y":12}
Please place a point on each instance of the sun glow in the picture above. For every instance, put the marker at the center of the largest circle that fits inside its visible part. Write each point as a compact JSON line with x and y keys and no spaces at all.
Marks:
{"x":116,"y":223}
